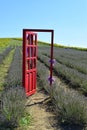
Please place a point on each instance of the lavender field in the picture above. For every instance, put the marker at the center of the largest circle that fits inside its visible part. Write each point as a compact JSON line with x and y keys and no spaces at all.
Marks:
{"x":70,"y":67}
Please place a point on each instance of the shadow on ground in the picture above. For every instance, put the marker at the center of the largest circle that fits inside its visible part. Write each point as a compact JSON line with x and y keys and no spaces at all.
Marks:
{"x":72,"y":127}
{"x":54,"y":121}
{"x":57,"y":126}
{"x":6,"y":125}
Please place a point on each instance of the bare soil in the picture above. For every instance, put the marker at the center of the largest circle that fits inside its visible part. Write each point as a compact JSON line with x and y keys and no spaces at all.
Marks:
{"x":41,"y":109}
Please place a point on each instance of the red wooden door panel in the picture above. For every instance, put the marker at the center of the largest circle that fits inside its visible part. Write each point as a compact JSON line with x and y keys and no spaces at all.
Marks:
{"x":29,"y":62}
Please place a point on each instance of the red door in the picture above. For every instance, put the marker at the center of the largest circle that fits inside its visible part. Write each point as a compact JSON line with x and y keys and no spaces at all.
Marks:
{"x":29,"y":62}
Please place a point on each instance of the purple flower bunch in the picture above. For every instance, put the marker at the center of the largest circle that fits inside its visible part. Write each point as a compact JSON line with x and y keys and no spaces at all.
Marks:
{"x":51,"y":79}
{"x":52,"y":61}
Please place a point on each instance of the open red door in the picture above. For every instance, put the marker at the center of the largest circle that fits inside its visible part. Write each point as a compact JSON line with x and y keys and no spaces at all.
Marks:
{"x":29,"y":62}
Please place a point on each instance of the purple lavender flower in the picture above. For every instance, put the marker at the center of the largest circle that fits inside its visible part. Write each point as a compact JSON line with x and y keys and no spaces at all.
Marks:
{"x":51,"y":79}
{"x":52,"y":61}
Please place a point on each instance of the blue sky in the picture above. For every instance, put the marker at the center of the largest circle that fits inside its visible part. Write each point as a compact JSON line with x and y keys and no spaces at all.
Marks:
{"x":68,"y":18}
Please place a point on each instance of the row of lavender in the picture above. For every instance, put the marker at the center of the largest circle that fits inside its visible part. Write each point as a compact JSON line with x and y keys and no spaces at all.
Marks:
{"x":77,"y":55}
{"x":70,"y":57}
{"x":75,"y":78}
{"x":70,"y":106}
{"x":14,"y":76}
{"x":13,"y":98}
{"x":4,"y":54}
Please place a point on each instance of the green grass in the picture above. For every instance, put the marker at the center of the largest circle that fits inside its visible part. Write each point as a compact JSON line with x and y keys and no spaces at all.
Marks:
{"x":18,"y":41}
{"x":25,"y":121}
{"x":4,"y":67}
{"x":2,"y":49}
{"x":5,"y":42}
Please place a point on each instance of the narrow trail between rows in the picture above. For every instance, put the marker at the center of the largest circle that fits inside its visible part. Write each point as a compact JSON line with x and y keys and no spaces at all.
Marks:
{"x":40,"y":107}
{"x":43,"y":117}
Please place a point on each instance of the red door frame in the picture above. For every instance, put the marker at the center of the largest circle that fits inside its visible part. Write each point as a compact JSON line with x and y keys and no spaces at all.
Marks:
{"x":24,"y":49}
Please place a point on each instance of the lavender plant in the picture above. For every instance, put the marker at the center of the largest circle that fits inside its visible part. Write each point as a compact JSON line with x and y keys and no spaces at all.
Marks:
{"x":81,"y":67}
{"x":72,"y":76}
{"x":43,"y":76}
{"x":14,"y":76}
{"x":70,"y":57}
{"x":71,"y":107}
{"x":13,"y":104}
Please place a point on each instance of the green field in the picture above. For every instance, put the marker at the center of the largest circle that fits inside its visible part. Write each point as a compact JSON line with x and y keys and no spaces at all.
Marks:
{"x":70,"y":67}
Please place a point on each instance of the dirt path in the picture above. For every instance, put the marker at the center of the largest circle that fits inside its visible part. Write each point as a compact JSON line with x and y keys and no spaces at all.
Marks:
{"x":42,"y":111}
{"x":43,"y":117}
